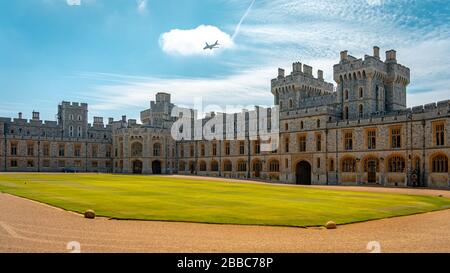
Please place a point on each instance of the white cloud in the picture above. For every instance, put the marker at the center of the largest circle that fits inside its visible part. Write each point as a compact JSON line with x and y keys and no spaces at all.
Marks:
{"x":192,"y":41}
{"x":73,"y":2}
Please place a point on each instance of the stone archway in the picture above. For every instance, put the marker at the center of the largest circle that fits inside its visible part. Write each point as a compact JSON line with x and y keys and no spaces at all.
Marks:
{"x":137,"y":167}
{"x":156,"y":167}
{"x":303,"y":173}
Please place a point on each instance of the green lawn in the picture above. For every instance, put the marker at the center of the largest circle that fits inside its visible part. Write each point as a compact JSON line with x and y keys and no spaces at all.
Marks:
{"x":181,"y":199}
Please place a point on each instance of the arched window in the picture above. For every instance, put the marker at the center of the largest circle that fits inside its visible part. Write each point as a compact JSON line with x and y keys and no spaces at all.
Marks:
{"x":370,"y":160}
{"x":71,"y":116}
{"x":156,"y":149}
{"x":348,"y":165}
{"x":242,"y":166}
{"x":136,"y":149}
{"x":346,"y":112}
{"x":361,"y":92}
{"x":440,"y":164}
{"x":202,"y":166}
{"x":214,"y":166}
{"x":274,"y":166}
{"x":302,"y":125}
{"x":396,"y":164}
{"x":79,"y":118}
{"x":227,"y":166}
{"x":361,"y":110}
{"x":346,"y":94}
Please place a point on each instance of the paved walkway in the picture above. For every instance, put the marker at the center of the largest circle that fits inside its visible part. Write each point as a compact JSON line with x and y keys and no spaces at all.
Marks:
{"x":27,"y":226}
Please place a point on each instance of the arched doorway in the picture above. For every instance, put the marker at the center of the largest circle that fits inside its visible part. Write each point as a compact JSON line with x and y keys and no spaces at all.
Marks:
{"x":303,"y":173}
{"x":137,"y":167}
{"x":156,"y":167}
{"x":371,"y":172}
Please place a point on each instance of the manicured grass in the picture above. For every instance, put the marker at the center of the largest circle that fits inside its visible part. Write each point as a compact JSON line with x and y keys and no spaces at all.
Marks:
{"x":195,"y":200}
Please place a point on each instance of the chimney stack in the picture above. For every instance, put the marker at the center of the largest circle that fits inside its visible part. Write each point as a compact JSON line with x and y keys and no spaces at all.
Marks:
{"x":124,"y":118}
{"x":376,"y":52}
{"x":20,"y":115}
{"x":35,"y":115}
{"x":110,"y":120}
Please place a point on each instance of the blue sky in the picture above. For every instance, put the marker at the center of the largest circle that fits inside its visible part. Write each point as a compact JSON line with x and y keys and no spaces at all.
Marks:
{"x":116,"y":54}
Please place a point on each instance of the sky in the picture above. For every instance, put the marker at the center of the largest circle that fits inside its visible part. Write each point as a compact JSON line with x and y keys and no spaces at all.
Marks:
{"x":116,"y":55}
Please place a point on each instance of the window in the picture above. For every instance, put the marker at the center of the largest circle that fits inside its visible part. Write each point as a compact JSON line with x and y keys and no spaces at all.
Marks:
{"x":361,"y":110}
{"x":318,"y":123}
{"x":361,"y":92}
{"x":286,"y":163}
{"x":302,"y":144}
{"x":349,"y":165}
{"x":242,"y":166}
{"x":372,"y":139}
{"x":346,"y":94}
{"x":348,"y":141}
{"x":439,"y":132}
{"x":71,"y":117}
{"x":14,"y":163}
{"x":318,"y":163}
{"x":281,"y":105}
{"x":214,"y":166}
{"x":94,"y":164}
{"x":79,"y":118}
{"x":274,"y":166}
{"x":440,"y":164}
{"x":346,"y":112}
{"x":227,"y":148}
{"x":157,"y":149}
{"x":396,"y":140}
{"x":79,"y":131}
{"x":319,"y":142}
{"x":191,"y":150}
{"x":61,"y":150}
{"x":291,"y":104}
{"x":202,"y":166}
{"x":286,"y":145}
{"x":286,"y":126}
{"x":108,"y":152}
{"x":13,"y":148}
{"x":46,"y":149}
{"x":396,"y":164}
{"x":302,"y":125}
{"x":331,"y":165}
{"x":257,"y":147}
{"x":77,"y":151}
{"x":136,"y":149}
{"x":71,"y":131}
{"x":202,"y":150}
{"x":30,"y":149}
{"x":370,"y":161}
{"x":227,"y":166}
{"x":182,"y":166}
{"x":241,"y":147}
{"x":214,"y":149}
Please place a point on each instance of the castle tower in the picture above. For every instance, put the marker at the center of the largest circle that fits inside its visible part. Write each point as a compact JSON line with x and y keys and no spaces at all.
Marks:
{"x":369,"y":86}
{"x":73,"y":119}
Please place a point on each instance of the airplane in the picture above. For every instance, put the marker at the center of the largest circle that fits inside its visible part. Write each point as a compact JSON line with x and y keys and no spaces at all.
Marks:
{"x":211,"y":47}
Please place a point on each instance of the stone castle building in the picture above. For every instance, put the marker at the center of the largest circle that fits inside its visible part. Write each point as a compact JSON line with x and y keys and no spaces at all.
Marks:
{"x":359,"y":132}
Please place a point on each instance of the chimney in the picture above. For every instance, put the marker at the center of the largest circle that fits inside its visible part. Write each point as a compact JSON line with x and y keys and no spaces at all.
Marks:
{"x":391,"y":55}
{"x":344,"y":55}
{"x":20,"y":115}
{"x":320,"y":74}
{"x":35,"y":115}
{"x":280,"y":73}
{"x":124,"y":118}
{"x":110,"y":120}
{"x":376,"y":52}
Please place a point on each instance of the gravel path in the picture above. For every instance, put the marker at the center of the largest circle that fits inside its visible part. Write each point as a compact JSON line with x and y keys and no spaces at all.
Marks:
{"x":27,"y":226}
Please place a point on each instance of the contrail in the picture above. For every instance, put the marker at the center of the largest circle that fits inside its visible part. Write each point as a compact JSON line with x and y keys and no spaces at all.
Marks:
{"x":238,"y":27}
